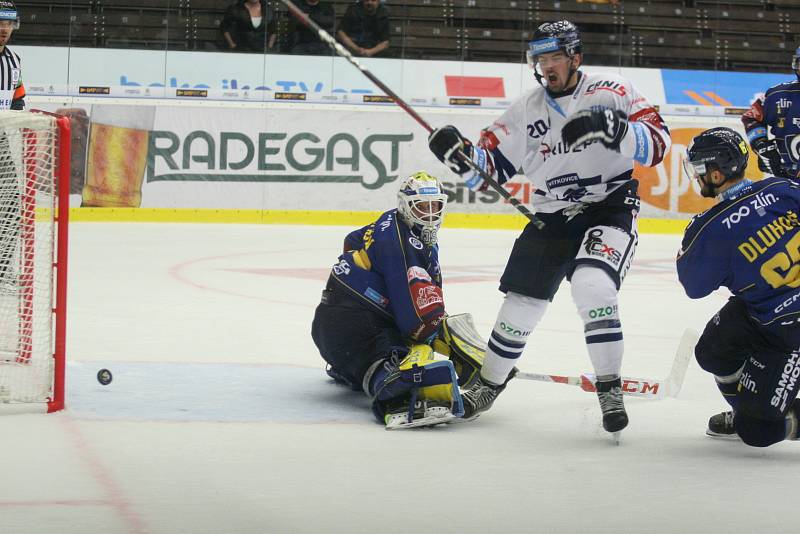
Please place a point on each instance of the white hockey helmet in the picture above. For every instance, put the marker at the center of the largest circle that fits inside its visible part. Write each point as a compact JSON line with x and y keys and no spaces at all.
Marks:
{"x":420,"y":205}
{"x":796,"y":62}
{"x":8,"y":11}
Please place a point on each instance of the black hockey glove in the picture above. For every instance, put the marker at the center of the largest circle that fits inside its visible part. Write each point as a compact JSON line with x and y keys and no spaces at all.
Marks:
{"x":445,"y":143}
{"x":769,"y":159}
{"x":597,"y":124}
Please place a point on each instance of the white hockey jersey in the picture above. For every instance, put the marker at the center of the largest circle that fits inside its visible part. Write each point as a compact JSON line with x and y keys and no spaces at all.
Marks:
{"x":527,"y":139}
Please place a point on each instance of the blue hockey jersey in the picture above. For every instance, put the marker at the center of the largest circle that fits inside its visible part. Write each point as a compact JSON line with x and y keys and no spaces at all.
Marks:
{"x":779,"y":112}
{"x":387,"y":268}
{"x":751,"y":245}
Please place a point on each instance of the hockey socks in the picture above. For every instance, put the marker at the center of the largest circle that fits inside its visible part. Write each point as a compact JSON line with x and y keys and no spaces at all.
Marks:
{"x":595,"y":296}
{"x":517,"y":318}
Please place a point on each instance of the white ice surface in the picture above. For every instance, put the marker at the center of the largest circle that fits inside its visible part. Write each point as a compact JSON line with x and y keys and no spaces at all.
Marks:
{"x":220,"y":418}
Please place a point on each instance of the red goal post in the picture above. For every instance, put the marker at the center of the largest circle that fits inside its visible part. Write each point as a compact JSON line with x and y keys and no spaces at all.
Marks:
{"x":34,"y":222}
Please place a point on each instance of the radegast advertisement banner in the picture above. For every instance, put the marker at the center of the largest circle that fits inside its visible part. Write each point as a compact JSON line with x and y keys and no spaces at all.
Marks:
{"x":286,"y":157}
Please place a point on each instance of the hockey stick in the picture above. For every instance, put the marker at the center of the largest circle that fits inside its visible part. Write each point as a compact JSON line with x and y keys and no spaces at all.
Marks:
{"x":343,"y":52}
{"x":636,"y":387}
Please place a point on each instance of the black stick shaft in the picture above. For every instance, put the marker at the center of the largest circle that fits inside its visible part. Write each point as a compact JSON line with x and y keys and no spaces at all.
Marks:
{"x":343,"y":52}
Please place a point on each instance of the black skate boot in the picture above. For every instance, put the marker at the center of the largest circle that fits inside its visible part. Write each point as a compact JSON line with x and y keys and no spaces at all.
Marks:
{"x":479,"y":397}
{"x":610,"y":395}
{"x":721,"y":426}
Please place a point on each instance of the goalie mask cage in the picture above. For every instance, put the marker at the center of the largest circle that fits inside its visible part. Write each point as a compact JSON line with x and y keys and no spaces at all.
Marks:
{"x":34,"y":210}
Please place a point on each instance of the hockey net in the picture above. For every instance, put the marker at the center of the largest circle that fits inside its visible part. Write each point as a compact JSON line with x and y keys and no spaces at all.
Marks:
{"x":34,"y":208}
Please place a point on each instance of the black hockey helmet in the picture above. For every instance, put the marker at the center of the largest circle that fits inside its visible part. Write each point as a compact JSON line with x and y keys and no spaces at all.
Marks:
{"x":722,"y":148}
{"x":8,"y":11}
{"x":554,"y":36}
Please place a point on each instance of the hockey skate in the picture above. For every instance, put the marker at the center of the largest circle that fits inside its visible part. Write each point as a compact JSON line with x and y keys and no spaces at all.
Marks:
{"x":479,"y":397}
{"x":426,"y":412}
{"x":609,"y":394}
{"x":721,"y":426}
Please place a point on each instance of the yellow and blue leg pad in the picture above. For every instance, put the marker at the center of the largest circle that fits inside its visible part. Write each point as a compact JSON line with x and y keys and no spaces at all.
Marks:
{"x":419,"y":376}
{"x":431,"y":379}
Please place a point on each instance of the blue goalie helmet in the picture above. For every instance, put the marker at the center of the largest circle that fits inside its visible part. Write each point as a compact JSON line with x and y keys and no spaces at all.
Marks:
{"x":722,"y":148}
{"x":552,"y":37}
{"x":420,"y":205}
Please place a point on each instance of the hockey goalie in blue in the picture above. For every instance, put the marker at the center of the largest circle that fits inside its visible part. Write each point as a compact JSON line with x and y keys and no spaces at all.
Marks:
{"x":382,"y":317}
{"x":750,"y":243}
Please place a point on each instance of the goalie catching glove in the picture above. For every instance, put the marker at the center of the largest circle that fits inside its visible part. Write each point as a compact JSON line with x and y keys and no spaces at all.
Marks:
{"x":455,"y":151}
{"x":597,"y":124}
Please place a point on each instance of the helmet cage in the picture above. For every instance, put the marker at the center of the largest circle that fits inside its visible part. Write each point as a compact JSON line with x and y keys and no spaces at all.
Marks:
{"x":421,"y":204}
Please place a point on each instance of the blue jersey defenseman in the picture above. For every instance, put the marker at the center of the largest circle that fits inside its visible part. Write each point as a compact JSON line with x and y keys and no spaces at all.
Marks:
{"x":779,"y":115}
{"x":750,"y":243}
{"x":383,"y":306}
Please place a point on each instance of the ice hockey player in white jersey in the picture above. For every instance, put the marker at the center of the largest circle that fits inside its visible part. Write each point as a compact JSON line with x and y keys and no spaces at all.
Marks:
{"x":576,"y":138}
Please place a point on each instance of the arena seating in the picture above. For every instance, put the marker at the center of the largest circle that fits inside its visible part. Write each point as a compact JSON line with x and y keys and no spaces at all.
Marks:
{"x":756,"y":35}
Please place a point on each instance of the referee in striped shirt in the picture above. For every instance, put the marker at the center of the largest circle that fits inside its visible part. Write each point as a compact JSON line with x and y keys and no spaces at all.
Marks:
{"x":12,"y":96}
{"x":12,"y":92}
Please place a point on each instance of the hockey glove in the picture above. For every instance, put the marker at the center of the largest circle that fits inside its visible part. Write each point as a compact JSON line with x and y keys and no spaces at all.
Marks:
{"x":597,"y":124}
{"x":769,"y":159}
{"x":445,"y":144}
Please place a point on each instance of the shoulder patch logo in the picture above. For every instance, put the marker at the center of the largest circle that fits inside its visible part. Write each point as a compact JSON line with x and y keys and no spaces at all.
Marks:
{"x":416,"y":243}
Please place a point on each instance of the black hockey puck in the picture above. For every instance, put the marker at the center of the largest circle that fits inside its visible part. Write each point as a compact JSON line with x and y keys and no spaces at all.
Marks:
{"x":104,"y":376}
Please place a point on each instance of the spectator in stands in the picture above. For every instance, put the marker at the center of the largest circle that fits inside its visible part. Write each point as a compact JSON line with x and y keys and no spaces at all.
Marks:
{"x":249,"y":26}
{"x":364,"y":28}
{"x":612,"y":2}
{"x":304,"y":40}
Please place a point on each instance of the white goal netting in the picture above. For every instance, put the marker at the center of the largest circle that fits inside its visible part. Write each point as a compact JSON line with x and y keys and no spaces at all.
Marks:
{"x":28,"y":258}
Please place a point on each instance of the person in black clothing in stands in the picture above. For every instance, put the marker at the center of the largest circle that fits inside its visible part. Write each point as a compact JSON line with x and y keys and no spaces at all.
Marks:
{"x":249,"y":26}
{"x":364,"y":28}
{"x":304,"y":40}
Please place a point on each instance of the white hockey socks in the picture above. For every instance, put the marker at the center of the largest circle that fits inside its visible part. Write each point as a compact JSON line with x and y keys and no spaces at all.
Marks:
{"x":517,"y":318}
{"x":595,"y":296}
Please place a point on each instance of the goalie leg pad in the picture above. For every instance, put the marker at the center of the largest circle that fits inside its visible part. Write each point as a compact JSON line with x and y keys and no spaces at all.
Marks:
{"x":460,"y":341}
{"x":418,"y":377}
